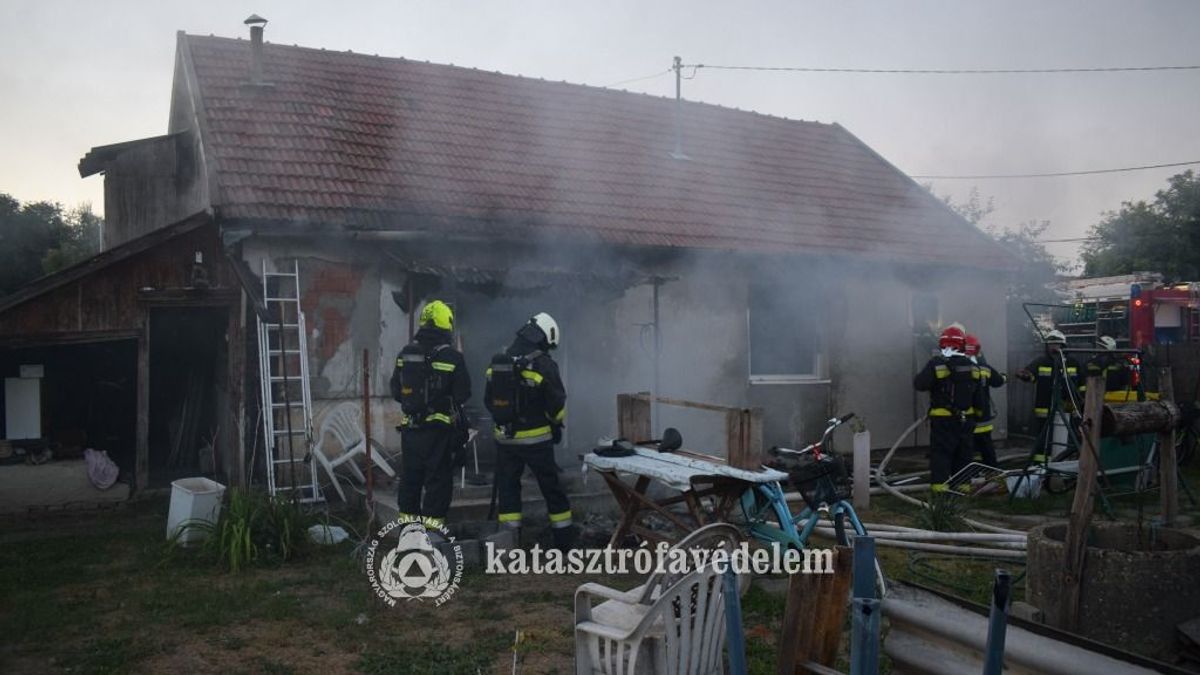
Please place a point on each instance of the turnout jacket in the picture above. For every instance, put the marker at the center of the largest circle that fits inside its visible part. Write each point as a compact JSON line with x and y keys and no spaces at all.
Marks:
{"x":989,"y":378}
{"x":545,"y":410}
{"x":951,"y":382}
{"x":451,"y":383}
{"x":1117,"y":380}
{"x":1045,"y":369}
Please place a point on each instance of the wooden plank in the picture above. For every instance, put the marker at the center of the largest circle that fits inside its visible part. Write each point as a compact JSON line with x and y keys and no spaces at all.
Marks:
{"x":682,"y":403}
{"x":814,"y":616}
{"x":633,"y":417}
{"x":743,"y":428}
{"x":1075,"y":550}
{"x":142,"y":461}
{"x":1168,"y":477}
{"x":236,"y":357}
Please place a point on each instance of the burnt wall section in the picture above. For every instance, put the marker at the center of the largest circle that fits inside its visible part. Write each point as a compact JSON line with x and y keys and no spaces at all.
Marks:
{"x":151,"y":183}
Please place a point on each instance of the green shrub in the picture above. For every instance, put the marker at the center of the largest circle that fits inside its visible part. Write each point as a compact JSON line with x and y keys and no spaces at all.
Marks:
{"x":253,"y":528}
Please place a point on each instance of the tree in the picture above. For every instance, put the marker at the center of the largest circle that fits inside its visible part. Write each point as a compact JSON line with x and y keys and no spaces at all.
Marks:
{"x":1038,"y":269}
{"x":37,"y":238}
{"x":1160,"y":236}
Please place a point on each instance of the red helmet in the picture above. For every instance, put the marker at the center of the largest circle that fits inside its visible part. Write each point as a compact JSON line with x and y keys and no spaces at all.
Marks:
{"x":954,"y":338}
{"x":973,"y":346}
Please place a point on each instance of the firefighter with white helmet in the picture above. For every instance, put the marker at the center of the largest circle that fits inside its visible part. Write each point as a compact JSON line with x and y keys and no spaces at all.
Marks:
{"x":1043,"y":371}
{"x":527,"y":400}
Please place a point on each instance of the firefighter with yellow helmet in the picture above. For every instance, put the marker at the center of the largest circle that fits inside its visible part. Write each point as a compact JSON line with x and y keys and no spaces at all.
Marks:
{"x":431,"y":383}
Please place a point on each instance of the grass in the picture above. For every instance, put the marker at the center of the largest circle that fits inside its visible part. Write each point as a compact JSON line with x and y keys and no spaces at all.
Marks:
{"x":104,"y":593}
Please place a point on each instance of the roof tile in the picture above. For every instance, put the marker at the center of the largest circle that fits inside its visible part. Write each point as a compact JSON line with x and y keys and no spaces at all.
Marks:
{"x":348,"y":138}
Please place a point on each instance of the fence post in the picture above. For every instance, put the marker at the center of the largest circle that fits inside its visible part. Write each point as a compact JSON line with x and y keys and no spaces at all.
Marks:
{"x":736,"y":640}
{"x":864,"y":628}
{"x":993,"y":655}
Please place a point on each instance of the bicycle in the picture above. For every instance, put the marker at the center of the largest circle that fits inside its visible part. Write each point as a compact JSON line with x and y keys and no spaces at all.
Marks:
{"x":821,"y":480}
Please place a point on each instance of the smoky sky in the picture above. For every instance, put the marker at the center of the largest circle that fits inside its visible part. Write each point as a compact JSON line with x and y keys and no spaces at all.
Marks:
{"x":79,"y":74}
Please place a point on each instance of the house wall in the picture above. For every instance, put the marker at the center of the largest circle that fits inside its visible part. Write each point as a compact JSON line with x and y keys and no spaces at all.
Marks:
{"x":867,"y":333}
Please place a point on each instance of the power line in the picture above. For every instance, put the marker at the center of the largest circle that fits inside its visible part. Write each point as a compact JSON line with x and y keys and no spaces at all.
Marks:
{"x":1089,"y":172}
{"x":947,"y":71}
{"x":639,"y":79}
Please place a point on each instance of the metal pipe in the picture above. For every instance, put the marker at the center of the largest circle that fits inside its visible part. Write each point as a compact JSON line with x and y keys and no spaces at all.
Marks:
{"x":993,"y":653}
{"x":978,"y":551}
{"x":930,"y":535}
{"x":864,"y":630}
{"x":735,"y":637}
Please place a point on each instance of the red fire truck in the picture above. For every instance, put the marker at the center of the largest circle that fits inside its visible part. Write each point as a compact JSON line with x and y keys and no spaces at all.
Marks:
{"x":1136,"y":309}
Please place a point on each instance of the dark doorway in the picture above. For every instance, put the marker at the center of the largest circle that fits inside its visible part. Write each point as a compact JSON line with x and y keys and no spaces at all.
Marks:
{"x":88,"y":398}
{"x":188,"y":353}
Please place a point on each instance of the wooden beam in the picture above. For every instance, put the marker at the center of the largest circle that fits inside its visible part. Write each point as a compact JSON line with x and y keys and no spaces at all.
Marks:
{"x":236,"y":355}
{"x":1168,"y":474}
{"x":1128,"y":419}
{"x":1075,"y":549}
{"x":142,"y":462}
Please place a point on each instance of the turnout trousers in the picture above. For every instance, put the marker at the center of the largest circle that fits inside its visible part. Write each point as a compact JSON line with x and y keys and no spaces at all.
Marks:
{"x":426,"y":466}
{"x":511,"y":461}
{"x":949,"y":449}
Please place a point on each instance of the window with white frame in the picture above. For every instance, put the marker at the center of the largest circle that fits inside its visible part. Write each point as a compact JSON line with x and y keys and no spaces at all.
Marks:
{"x":785,"y":334}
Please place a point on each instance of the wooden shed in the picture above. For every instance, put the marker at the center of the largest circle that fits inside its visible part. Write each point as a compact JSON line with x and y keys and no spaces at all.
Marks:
{"x":138,"y":351}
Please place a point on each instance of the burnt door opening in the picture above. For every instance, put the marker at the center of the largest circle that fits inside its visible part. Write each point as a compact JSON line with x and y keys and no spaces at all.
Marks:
{"x":188,"y":391}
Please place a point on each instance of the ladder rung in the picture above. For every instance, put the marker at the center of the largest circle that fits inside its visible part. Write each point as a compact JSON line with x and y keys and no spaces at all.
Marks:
{"x":277,"y":352}
{"x":281,"y":299}
{"x":293,"y":404}
{"x":284,"y":432}
{"x":279,"y":274}
{"x":286,"y":326}
{"x":290,"y":461}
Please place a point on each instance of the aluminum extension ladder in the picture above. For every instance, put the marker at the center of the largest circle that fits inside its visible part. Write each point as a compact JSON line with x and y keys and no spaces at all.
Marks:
{"x":284,"y":381}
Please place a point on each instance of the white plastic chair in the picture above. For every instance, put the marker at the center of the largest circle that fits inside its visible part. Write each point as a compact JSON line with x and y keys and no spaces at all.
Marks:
{"x":681,"y":633}
{"x":626,"y":609}
{"x":344,"y":424}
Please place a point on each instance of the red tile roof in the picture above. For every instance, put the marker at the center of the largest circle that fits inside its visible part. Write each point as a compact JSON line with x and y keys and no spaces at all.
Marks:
{"x":351,"y":139}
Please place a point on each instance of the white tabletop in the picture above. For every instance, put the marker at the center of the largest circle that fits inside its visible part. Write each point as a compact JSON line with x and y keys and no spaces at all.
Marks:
{"x":677,"y":471}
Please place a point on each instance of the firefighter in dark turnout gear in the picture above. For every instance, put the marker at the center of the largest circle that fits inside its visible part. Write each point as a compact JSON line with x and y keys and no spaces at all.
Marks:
{"x":951,"y":380}
{"x":1118,"y":385}
{"x":985,"y":415}
{"x":527,"y":400}
{"x":1043,"y":371}
{"x":431,"y":383}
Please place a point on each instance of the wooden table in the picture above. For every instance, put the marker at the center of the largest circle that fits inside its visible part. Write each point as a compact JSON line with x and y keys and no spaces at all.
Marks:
{"x":693,"y":478}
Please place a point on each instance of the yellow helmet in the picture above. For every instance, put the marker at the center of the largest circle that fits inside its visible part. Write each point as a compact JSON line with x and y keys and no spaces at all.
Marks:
{"x":437,"y":314}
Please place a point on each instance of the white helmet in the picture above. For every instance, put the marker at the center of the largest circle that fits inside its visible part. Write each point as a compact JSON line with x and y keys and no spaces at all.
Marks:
{"x":1055,"y":337}
{"x":1106,"y":342}
{"x":549,"y":327}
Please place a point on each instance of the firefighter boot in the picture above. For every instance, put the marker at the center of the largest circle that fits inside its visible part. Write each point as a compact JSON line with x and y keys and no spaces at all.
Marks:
{"x":565,"y":538}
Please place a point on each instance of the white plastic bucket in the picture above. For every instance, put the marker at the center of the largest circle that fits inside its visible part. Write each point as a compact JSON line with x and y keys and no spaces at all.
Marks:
{"x":1025,"y":486}
{"x":193,"y":499}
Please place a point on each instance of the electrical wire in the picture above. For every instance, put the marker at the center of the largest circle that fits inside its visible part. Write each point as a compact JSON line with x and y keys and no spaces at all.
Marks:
{"x":1056,"y":174}
{"x":639,"y":79}
{"x":947,"y":71}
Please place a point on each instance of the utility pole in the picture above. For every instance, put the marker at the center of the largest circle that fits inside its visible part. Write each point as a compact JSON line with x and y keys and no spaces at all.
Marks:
{"x":678,"y":68}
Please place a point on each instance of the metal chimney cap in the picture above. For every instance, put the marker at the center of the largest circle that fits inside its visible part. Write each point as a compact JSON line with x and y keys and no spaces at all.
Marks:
{"x":255,"y":19}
